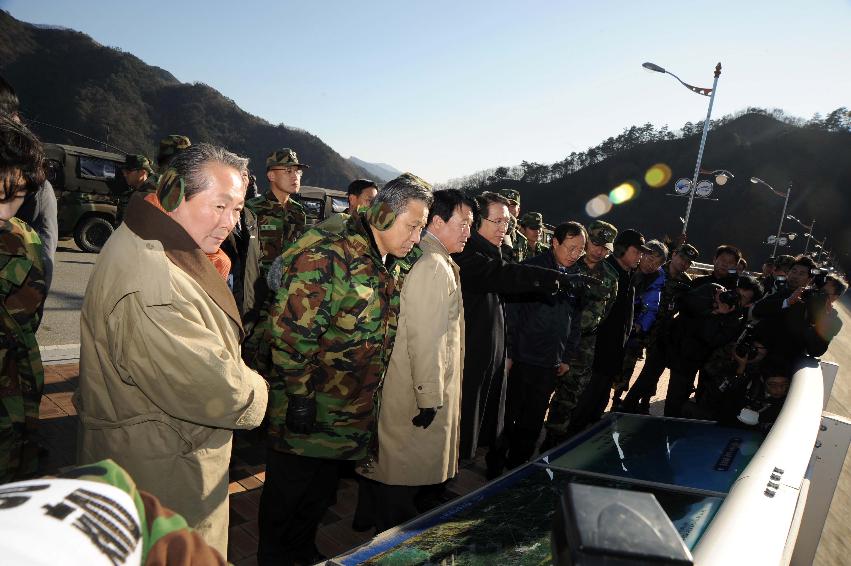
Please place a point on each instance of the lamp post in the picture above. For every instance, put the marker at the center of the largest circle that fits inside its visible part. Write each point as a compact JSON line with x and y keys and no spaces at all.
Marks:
{"x":710,"y":92}
{"x":757,"y":180}
{"x":809,"y":229}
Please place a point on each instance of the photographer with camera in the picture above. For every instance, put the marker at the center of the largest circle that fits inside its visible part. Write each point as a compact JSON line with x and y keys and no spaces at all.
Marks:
{"x":800,"y":320}
{"x":756,"y":401}
{"x":677,"y":284}
{"x":726,"y":374}
{"x":723,"y":268}
{"x":711,"y":316}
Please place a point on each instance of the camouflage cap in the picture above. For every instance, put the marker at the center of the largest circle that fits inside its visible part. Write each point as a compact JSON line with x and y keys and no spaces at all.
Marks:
{"x":688,"y":250}
{"x":657,"y":248}
{"x":172,"y":145}
{"x":602,"y":234}
{"x":510,"y":194}
{"x":134,"y":162}
{"x":532,"y":220}
{"x":284,"y":158}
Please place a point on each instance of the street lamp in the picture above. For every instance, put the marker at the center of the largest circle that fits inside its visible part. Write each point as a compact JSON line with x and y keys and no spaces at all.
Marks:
{"x":809,"y":229}
{"x":757,"y":180}
{"x":710,"y":92}
{"x":703,"y":189}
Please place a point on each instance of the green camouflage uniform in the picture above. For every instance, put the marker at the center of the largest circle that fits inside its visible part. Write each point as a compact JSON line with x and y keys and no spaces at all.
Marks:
{"x":332,"y":325}
{"x":278,"y":225}
{"x":133,"y":162}
{"x":518,"y":250}
{"x":22,"y":290}
{"x":597,"y":303}
{"x":532,"y":220}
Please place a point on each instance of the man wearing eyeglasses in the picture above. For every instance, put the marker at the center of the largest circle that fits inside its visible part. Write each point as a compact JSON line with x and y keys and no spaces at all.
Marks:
{"x":281,"y":220}
{"x":597,"y":304}
{"x":485,"y":277}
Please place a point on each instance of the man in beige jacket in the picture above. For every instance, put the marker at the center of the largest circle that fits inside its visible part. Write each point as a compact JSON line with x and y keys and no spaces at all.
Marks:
{"x":420,"y":411}
{"x":162,"y":382}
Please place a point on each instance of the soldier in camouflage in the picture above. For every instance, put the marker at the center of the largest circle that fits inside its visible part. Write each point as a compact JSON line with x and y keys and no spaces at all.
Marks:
{"x":597,"y":303}
{"x":677,"y":284}
{"x":169,"y":147}
{"x":531,"y":225}
{"x":137,"y":171}
{"x":22,"y":294}
{"x":514,"y":246}
{"x":333,"y":320}
{"x":280,"y":219}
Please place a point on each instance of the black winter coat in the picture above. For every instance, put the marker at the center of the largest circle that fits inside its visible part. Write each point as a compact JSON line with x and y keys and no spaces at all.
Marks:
{"x":697,"y":331}
{"x":613,"y":332}
{"x":543,"y":330}
{"x":484,"y":276}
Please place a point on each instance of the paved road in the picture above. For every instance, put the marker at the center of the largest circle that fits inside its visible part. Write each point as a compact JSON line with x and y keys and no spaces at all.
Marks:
{"x":61,"y":323}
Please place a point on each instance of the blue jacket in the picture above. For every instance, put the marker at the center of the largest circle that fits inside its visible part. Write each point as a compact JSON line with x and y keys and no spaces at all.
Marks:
{"x":543,"y":329}
{"x":647,"y":302}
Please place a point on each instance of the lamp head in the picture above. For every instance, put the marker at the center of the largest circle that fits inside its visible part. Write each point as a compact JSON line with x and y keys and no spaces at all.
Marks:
{"x":653,"y":67}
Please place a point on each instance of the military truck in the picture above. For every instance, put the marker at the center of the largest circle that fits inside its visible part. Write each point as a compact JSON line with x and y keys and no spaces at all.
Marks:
{"x":87,"y":183}
{"x":321,"y":203}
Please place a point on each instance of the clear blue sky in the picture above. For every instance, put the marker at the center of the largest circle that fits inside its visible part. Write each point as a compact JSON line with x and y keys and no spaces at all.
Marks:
{"x":445,"y":88}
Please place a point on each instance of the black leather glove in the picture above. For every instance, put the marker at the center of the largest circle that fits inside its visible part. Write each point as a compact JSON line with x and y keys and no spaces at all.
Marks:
{"x":577,"y":282}
{"x":301,"y":414}
{"x":425,"y":418}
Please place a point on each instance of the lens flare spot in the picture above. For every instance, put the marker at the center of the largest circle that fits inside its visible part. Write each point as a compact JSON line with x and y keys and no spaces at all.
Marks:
{"x":598,"y":206}
{"x":622,"y":193}
{"x":658,"y":175}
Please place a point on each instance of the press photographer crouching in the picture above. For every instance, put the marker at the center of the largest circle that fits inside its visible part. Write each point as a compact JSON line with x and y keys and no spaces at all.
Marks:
{"x":800,"y":320}
{"x":711,"y":316}
{"x":751,"y":397}
{"x":724,"y":374}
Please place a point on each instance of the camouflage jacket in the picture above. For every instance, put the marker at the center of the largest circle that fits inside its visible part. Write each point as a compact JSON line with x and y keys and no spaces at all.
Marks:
{"x":518,"y":251}
{"x":149,"y":186}
{"x":278,"y":225}
{"x":332,"y":326}
{"x":22,"y":291}
{"x":598,"y":299}
{"x":537,"y":250}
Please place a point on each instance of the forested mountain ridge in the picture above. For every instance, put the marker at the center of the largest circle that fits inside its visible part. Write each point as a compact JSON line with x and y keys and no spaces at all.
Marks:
{"x":813,"y":155}
{"x":66,"y":79}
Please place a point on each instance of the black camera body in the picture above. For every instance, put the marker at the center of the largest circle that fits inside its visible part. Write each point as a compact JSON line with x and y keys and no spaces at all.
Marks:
{"x":778,"y":285}
{"x":745,"y":345}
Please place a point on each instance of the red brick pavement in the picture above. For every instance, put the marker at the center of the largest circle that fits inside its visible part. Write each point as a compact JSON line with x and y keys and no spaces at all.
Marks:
{"x":58,"y":422}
